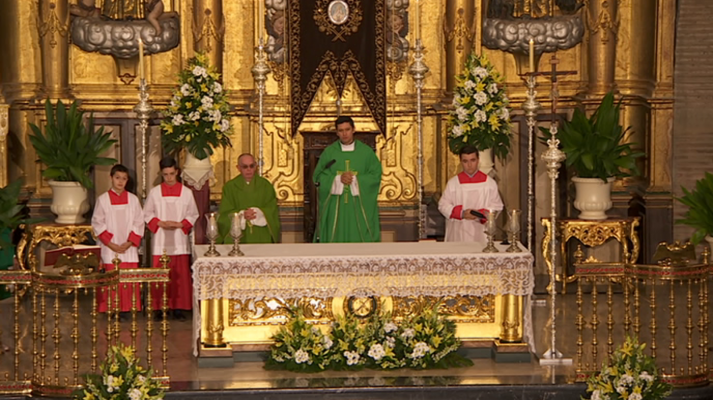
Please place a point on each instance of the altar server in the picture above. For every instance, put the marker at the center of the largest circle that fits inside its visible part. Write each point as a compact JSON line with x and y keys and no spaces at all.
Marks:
{"x":348,"y":176}
{"x":118,"y":223}
{"x":470,"y":190}
{"x":170,"y":212}
{"x":254,"y":199}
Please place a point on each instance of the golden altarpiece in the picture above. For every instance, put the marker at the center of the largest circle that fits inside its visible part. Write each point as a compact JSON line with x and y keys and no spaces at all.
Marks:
{"x":626,"y":45}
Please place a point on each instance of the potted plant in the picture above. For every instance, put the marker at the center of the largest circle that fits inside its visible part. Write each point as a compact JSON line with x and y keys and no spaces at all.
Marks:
{"x":597,"y":154}
{"x":11,"y":216}
{"x":70,"y":149}
{"x":480,"y":115}
{"x":700,"y":209}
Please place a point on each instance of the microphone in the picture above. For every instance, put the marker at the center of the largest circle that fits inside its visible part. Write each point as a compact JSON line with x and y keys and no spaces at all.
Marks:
{"x":329,"y":164}
{"x":477,"y":214}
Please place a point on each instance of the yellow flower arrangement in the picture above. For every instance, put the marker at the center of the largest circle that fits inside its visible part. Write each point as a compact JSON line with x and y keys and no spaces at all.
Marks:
{"x":480,"y":115}
{"x":197,"y":117}
{"x":630,"y":375}
{"x":121,"y":378}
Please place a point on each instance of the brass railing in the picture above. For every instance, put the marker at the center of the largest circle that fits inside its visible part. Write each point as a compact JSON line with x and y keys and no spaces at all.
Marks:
{"x":663,"y":305}
{"x":57,"y":329}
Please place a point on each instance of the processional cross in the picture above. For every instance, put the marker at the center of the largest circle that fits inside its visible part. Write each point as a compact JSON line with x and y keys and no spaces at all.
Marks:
{"x":553,"y":157}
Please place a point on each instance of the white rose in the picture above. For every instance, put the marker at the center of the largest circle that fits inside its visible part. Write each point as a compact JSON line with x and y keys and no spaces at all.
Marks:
{"x":376,"y":351}
{"x":186,"y":89}
{"x":224,"y":125}
{"x":217,"y":87}
{"x":198,"y":71}
{"x":301,"y":356}
{"x":390,"y":327}
{"x":480,"y":116}
{"x":480,"y":98}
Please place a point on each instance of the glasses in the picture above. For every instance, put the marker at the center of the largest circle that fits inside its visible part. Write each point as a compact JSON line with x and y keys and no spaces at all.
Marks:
{"x":253,"y":165}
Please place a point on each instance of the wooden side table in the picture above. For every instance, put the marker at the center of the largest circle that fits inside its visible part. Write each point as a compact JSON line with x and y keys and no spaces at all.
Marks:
{"x":590,"y":234}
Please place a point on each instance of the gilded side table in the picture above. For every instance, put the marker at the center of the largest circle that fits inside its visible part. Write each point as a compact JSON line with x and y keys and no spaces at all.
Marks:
{"x":590,"y":234}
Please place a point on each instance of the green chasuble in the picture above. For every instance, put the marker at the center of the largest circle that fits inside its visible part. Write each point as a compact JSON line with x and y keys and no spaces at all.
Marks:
{"x":345,"y":217}
{"x":238,"y":195}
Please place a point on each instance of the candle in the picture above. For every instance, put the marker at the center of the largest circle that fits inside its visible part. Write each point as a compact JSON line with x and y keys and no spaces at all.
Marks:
{"x":141,"y":59}
{"x":532,"y":55}
{"x":260,"y":17}
{"x":417,"y":22}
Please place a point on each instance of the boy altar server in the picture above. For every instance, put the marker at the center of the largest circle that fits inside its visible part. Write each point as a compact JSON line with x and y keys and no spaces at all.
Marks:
{"x":470,"y":190}
{"x":170,"y":212}
{"x":119,"y":224}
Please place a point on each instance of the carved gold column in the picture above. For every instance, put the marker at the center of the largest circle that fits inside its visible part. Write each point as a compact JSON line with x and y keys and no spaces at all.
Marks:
{"x":4,"y":128}
{"x":459,"y":28}
{"x":53,"y":26}
{"x":214,"y":322}
{"x":209,"y":30}
{"x":512,"y":319}
{"x":603,"y":26}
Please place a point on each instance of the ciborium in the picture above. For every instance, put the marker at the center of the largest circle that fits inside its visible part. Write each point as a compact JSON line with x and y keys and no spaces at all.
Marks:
{"x":236,"y":232}
{"x":211,"y":232}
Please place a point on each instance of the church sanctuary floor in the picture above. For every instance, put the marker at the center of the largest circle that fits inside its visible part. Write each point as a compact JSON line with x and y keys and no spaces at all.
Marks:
{"x":486,"y":379}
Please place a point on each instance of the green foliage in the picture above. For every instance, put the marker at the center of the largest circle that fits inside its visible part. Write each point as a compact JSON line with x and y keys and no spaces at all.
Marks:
{"x":700,"y":208}
{"x":11,"y":210}
{"x":595,"y":146}
{"x":69,"y":148}
{"x":480,"y":115}
{"x":122,"y":377}
{"x":630,"y":375}
{"x":197,"y":117}
{"x":426,"y":340}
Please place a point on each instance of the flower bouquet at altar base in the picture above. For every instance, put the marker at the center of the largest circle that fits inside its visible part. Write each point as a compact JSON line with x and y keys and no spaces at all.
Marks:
{"x":197,"y":118}
{"x":631,"y":375}
{"x":121,"y":378}
{"x":480,"y":115}
{"x":425,"y":340}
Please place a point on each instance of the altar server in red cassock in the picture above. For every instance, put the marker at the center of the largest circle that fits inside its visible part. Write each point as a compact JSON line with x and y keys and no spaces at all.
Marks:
{"x":469,"y":190}
{"x":119,"y":224}
{"x":170,"y":212}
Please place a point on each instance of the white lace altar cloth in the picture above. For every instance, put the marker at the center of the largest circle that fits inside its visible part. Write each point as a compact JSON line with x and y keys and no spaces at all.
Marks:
{"x":362,"y":269}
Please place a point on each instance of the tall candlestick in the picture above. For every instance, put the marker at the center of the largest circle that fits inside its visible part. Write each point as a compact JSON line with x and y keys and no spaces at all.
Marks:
{"x":261,"y":17}
{"x":532,"y":55}
{"x":141,"y":59}
{"x":417,"y":23}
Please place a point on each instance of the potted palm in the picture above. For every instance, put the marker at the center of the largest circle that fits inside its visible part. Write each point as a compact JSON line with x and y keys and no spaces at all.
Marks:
{"x":11,"y":216}
{"x":597,"y":154}
{"x":480,"y":115}
{"x":700,"y":209}
{"x":70,"y":148}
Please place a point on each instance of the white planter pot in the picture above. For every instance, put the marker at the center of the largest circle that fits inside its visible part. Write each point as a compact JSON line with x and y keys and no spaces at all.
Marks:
{"x":593,"y":197}
{"x":709,"y":240}
{"x":69,"y":202}
{"x":485,"y":161}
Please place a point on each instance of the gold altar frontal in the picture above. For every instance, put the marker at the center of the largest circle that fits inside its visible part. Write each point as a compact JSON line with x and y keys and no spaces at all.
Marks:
{"x":244,"y":300}
{"x":249,"y":325}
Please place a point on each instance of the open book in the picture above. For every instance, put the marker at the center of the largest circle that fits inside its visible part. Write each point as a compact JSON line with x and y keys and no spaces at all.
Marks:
{"x":53,"y":256}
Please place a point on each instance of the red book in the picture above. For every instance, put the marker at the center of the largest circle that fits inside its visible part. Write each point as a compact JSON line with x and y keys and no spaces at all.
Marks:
{"x":52,"y":256}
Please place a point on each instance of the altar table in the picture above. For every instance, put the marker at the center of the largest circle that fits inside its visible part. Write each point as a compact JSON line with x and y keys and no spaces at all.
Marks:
{"x":234,"y":293}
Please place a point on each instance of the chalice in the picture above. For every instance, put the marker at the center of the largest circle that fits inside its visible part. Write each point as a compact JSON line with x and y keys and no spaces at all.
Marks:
{"x":514,"y":229}
{"x":490,"y":231}
{"x":236,"y":232}
{"x":211,"y":232}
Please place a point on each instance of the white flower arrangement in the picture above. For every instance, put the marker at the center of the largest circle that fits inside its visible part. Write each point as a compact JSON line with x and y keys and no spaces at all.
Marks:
{"x":122,"y":377}
{"x":630,"y":375}
{"x":426,"y":340}
{"x":480,"y":115}
{"x":197,"y":116}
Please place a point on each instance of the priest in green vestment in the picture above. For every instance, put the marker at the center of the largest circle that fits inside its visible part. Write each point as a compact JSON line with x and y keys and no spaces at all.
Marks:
{"x":254,"y":198}
{"x":348,"y":176}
